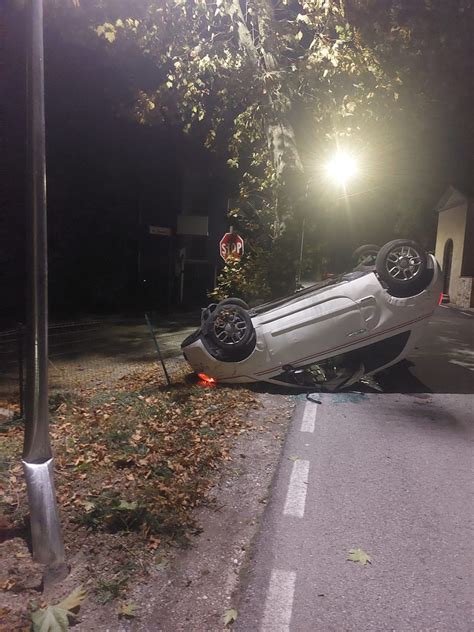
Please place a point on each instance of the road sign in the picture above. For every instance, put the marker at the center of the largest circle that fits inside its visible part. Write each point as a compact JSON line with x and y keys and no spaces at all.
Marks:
{"x":231,"y":245}
{"x":164,"y":231}
{"x":197,"y":225}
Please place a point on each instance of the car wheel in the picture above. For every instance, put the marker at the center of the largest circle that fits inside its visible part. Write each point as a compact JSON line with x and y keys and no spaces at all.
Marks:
{"x":401,"y":264}
{"x":234,"y":301}
{"x":365,"y":255}
{"x":206,"y":312}
{"x":230,"y":327}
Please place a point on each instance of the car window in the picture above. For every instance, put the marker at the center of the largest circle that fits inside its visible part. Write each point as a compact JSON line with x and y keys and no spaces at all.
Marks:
{"x":313,"y":289}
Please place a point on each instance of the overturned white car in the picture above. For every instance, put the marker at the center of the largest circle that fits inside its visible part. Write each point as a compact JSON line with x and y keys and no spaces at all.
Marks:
{"x":329,"y":335}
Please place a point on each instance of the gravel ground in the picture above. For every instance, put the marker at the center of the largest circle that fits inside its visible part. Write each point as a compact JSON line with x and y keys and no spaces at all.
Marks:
{"x":202,"y":582}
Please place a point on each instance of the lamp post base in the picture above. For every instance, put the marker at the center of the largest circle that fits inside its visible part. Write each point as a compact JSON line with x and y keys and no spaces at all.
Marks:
{"x":46,"y":536}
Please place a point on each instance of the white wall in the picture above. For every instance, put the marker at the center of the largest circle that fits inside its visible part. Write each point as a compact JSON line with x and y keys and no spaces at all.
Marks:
{"x":452,"y":225}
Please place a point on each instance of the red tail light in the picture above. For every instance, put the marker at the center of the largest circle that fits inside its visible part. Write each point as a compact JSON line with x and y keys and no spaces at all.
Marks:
{"x":440,"y":300}
{"x":206,"y":378}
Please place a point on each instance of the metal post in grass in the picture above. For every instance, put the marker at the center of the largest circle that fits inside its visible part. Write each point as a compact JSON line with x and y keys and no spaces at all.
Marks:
{"x":21,"y":374}
{"x":158,"y":350}
{"x":37,"y":455}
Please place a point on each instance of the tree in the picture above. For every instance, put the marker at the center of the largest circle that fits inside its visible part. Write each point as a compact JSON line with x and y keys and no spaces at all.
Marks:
{"x":277,"y":85}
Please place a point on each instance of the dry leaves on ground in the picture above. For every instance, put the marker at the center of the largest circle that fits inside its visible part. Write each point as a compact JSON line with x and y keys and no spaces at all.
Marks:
{"x":132,"y":463}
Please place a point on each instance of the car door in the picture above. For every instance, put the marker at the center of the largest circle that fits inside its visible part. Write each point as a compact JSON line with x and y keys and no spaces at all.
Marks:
{"x":312,"y":327}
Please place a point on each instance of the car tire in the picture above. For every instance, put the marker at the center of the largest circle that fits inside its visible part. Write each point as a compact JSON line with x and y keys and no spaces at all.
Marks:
{"x":230,"y":327}
{"x":401,"y":264}
{"x":206,"y":312}
{"x":365,"y":256}
{"x":234,"y":301}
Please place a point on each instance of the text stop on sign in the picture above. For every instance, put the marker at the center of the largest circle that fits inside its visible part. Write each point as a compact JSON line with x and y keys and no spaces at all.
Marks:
{"x":231,"y":245}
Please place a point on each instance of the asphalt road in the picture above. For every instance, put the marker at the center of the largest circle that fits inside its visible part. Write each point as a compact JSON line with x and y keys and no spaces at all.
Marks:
{"x":444,"y":360}
{"x":388,"y":473}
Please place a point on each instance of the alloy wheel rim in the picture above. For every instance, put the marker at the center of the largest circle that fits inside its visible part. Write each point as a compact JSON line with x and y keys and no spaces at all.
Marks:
{"x":404,"y":263}
{"x":229,"y":328}
{"x":368,"y":259}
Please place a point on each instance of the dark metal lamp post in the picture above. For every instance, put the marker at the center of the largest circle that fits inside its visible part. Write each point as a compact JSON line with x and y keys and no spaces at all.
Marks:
{"x":37,"y":456}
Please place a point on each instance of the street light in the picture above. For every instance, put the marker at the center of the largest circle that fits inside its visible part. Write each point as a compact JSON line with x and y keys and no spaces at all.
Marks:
{"x":340,"y":169}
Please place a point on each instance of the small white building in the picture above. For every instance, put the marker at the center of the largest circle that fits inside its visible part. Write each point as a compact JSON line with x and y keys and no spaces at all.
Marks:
{"x":455,"y":246}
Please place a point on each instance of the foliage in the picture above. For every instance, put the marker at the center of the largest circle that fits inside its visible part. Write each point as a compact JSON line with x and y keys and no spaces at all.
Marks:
{"x":110,"y":513}
{"x":359,"y":556}
{"x":56,"y":618}
{"x":110,"y":589}
{"x":246,"y":279}
{"x":127,"y":611}
{"x":134,"y":461}
{"x":230,"y":617}
{"x":276,"y":86}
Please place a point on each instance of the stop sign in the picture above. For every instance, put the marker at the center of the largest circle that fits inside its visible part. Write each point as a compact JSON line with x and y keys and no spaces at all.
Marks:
{"x":231,"y":245}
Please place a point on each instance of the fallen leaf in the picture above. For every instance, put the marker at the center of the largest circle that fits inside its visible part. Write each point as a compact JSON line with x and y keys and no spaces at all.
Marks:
{"x":127,"y":610}
{"x":73,"y":600}
{"x":293,"y":458}
{"x":153,"y":542}
{"x":8,"y":584}
{"x":162,"y":564}
{"x":230,"y":616}
{"x":360,"y":556}
{"x":127,"y":506}
{"x":56,"y":618}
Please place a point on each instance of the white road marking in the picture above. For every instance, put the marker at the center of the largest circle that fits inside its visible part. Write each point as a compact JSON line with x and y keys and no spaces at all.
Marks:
{"x":296,"y":495}
{"x":309,"y":417}
{"x":279,"y":602}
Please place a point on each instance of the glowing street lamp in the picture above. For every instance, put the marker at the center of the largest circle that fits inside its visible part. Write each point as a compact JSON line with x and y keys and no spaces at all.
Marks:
{"x":341,"y":168}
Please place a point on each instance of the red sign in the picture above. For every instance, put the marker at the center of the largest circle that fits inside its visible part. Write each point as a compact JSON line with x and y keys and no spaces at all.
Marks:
{"x":231,"y":245}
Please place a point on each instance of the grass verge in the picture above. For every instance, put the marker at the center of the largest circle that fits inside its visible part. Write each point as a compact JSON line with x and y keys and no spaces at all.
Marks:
{"x":132,"y":462}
